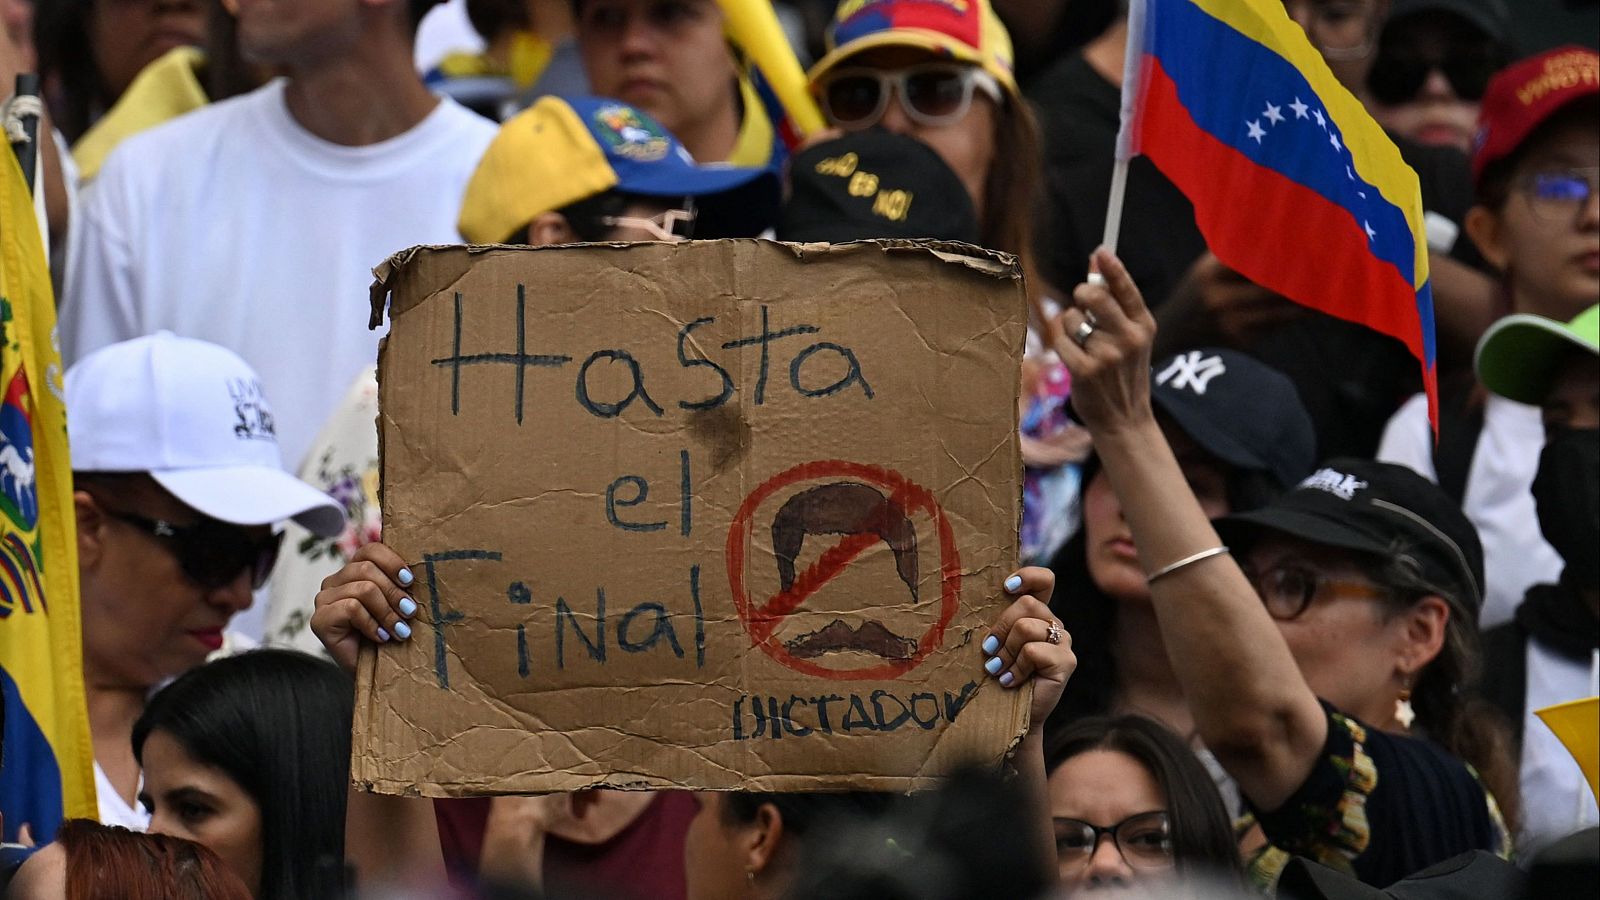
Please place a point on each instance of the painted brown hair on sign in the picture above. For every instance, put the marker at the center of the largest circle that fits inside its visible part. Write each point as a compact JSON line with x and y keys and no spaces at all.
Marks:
{"x":719,"y":514}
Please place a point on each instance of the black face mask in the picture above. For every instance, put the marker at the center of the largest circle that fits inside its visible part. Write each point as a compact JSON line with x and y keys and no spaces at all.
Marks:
{"x":1567,"y":494}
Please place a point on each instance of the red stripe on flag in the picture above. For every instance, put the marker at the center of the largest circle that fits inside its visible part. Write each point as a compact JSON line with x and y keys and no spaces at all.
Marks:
{"x":1273,"y":230}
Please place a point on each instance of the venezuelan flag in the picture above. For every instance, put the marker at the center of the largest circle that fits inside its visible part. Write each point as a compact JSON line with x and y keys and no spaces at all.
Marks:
{"x":46,"y":758}
{"x":1293,"y":184}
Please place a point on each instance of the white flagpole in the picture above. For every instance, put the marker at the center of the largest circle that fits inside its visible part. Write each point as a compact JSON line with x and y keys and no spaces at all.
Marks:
{"x":1132,"y":69}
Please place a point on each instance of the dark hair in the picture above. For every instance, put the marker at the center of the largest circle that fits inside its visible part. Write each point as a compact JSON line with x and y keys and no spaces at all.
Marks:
{"x":72,"y":85}
{"x":802,"y":812}
{"x":1202,"y":835}
{"x":1448,"y":711}
{"x":1090,"y":614}
{"x":587,"y":217}
{"x":1014,"y":183}
{"x":491,"y":17}
{"x":416,"y":9}
{"x":278,"y":723}
{"x":105,"y":862}
{"x":962,"y":840}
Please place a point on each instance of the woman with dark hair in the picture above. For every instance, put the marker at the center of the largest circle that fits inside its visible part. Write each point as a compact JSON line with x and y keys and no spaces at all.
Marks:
{"x":90,"y":861}
{"x":1131,"y":780}
{"x":250,"y":756}
{"x":1241,"y":437}
{"x":1353,"y":595}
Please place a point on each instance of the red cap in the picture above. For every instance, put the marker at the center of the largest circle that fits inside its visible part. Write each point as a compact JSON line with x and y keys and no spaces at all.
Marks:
{"x":1520,"y":99}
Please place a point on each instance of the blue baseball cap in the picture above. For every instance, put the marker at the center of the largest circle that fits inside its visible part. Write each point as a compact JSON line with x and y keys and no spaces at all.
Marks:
{"x":563,"y":150}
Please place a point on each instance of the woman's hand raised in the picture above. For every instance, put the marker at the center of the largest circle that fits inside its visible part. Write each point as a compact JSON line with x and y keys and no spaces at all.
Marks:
{"x":1105,"y":339}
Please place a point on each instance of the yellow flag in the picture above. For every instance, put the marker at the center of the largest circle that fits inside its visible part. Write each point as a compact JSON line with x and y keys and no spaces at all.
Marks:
{"x":46,"y":760}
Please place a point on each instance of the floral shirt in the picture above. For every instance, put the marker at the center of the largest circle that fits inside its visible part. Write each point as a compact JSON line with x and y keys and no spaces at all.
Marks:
{"x":1380,"y":807}
{"x":343,"y":462}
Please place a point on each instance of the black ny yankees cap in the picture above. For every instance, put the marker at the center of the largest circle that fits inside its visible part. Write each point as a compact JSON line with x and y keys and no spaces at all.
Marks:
{"x":1241,"y":411}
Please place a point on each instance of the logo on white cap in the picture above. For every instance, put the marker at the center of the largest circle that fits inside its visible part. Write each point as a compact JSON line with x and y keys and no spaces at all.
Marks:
{"x":252,"y":415}
{"x":1336,"y":483}
{"x":1191,"y":370}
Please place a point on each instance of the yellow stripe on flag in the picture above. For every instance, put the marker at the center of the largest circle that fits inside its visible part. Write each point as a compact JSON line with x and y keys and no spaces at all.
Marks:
{"x":1376,"y":159}
{"x":40,"y":631}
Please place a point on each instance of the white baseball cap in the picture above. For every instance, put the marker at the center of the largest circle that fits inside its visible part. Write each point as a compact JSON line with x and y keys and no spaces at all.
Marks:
{"x":194,"y":416}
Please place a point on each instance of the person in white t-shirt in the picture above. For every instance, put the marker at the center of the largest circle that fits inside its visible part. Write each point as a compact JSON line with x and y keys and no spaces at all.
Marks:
{"x":255,"y":222}
{"x":1537,"y":220}
{"x":177,"y":487}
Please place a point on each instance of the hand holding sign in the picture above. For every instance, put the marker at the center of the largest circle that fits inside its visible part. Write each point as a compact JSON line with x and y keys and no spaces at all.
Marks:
{"x":725,"y":514}
{"x":365,"y":598}
{"x":1028,"y":642}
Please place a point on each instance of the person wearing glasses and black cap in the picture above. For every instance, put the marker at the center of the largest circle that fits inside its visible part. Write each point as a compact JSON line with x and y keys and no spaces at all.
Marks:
{"x":177,"y":484}
{"x":1321,"y":641}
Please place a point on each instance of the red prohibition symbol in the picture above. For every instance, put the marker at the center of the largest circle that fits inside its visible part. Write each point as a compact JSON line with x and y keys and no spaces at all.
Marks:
{"x":762,"y":617}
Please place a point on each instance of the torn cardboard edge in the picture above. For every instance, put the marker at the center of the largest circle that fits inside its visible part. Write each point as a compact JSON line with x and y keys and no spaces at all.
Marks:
{"x":388,"y":274}
{"x":411,"y":284}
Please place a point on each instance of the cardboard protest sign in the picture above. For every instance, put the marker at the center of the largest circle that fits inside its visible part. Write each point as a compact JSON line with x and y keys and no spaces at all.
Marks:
{"x":727,"y":514}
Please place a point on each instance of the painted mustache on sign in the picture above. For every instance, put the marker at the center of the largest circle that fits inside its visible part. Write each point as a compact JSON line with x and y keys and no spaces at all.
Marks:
{"x":846,"y":508}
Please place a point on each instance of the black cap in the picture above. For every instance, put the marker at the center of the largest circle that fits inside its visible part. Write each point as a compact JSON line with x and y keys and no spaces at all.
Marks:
{"x":1488,"y":16}
{"x":1370,"y":507}
{"x":1239,"y":410}
{"x":875,"y":184}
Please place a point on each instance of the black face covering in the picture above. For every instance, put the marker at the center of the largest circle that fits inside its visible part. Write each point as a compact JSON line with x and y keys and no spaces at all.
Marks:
{"x":1567,"y":493}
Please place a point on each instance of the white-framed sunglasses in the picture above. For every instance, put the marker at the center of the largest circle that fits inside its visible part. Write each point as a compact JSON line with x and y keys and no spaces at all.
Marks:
{"x":934,"y":94}
{"x":671,"y":225}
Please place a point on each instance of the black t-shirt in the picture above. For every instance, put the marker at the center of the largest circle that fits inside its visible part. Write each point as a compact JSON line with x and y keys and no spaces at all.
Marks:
{"x":1079,"y":113}
{"x":1381,"y":807}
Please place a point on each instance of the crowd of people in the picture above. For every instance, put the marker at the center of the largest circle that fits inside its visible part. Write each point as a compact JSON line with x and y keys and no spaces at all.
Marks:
{"x":1279,"y":635}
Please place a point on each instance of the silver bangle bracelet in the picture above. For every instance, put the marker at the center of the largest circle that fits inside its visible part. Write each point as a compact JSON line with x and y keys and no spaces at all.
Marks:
{"x":1187,"y":560}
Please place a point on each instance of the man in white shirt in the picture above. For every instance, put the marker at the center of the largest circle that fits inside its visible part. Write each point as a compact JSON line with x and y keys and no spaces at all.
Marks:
{"x":254,"y":223}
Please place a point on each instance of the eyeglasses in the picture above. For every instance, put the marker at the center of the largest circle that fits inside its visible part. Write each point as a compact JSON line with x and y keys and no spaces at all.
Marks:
{"x":1399,"y":74}
{"x":932,"y":94}
{"x":672,"y":225}
{"x":1557,"y":196}
{"x":211,"y":553}
{"x":1287,"y":590}
{"x":1341,"y":29}
{"x":1144,"y":840}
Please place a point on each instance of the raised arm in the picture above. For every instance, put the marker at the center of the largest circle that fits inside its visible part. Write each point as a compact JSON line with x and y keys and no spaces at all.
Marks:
{"x":1251,"y":705}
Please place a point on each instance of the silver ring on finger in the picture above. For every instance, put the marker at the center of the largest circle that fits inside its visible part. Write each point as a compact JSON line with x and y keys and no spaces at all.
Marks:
{"x":1054,"y":634}
{"x":1082,"y":333}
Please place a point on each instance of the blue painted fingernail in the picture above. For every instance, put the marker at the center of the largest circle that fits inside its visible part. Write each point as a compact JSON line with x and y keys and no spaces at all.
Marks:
{"x":405,"y":576}
{"x":992,"y":666}
{"x":408,"y":607}
{"x":1013,"y":583}
{"x":991,"y":644}
{"x":382,"y":635}
{"x":1006,"y":679}
{"x":402,"y":630}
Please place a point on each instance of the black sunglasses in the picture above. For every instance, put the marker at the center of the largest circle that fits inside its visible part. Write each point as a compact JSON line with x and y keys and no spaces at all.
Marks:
{"x":211,"y":553}
{"x":1398,"y":75}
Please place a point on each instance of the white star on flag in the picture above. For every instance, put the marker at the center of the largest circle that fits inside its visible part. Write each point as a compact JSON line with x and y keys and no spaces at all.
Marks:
{"x":1274,"y":114}
{"x":1349,"y":174}
{"x":1368,"y":226}
{"x":1334,"y":140}
{"x":1317,"y":114}
{"x":1256,"y":131}
{"x":1299,"y":108}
